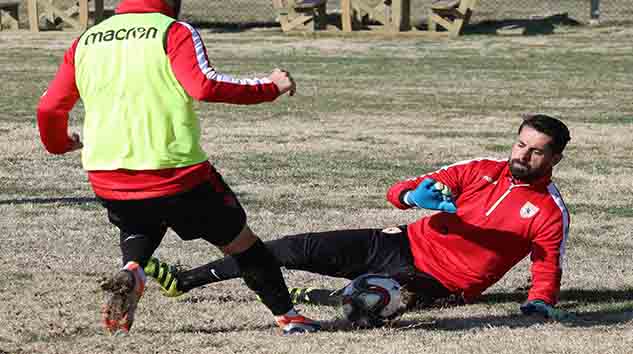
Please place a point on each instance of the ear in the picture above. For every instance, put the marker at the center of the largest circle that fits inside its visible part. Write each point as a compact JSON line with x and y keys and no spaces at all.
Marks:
{"x":556,"y":159}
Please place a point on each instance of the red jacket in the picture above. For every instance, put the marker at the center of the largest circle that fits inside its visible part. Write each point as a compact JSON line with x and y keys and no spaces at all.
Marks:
{"x":190,"y":64}
{"x":498,"y":222}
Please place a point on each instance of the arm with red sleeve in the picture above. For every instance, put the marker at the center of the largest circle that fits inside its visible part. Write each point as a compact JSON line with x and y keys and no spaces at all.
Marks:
{"x":453,"y":176}
{"x":546,"y":257}
{"x":56,"y":103}
{"x":190,"y":64}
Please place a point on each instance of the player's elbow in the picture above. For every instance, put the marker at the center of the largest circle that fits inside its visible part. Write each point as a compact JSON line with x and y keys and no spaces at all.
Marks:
{"x":52,"y":136}
{"x":53,"y":145}
{"x":55,"y":149}
{"x":197,"y":87}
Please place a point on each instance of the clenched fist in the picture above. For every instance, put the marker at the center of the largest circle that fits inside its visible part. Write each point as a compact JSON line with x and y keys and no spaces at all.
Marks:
{"x":284,"y":81}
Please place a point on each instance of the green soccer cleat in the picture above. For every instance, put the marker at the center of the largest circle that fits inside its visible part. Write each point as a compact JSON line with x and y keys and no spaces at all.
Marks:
{"x":165,"y":275}
{"x":315,"y":296}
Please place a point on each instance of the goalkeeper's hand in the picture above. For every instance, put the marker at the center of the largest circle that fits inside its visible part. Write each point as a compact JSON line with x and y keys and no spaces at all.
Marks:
{"x":428,"y":196}
{"x":540,"y":307}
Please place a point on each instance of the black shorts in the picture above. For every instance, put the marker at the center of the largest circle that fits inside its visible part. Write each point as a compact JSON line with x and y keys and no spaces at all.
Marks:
{"x":351,"y":253}
{"x":209,"y":211}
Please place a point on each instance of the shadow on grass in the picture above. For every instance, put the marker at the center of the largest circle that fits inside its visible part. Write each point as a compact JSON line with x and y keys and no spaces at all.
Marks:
{"x":323,"y":297}
{"x":209,"y":329}
{"x":567,"y":296}
{"x":618,"y":309}
{"x":517,"y":320}
{"x":615,"y":314}
{"x":526,"y":27}
{"x":618,"y":303}
{"x":234,"y":27}
{"x":63,"y":201}
{"x":467,"y":323}
{"x":589,"y":319}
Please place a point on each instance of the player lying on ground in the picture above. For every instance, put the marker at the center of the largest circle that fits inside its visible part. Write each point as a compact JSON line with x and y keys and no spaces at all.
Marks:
{"x":137,"y":74}
{"x":495,"y":214}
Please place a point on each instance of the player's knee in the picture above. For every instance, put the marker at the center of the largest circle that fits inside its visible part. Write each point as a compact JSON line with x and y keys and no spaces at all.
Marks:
{"x":256,"y":258}
{"x":242,"y":242}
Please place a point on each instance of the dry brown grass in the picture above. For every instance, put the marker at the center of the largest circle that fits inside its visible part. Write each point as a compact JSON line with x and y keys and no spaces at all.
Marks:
{"x":368,"y":112}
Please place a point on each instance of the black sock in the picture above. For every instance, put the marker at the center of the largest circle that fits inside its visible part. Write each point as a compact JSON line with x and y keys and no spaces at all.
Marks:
{"x":137,"y":248}
{"x":222,"y":269}
{"x":261,"y":273}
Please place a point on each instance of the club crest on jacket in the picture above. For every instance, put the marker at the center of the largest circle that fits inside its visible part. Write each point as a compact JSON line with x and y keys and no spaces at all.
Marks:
{"x":528,"y":210}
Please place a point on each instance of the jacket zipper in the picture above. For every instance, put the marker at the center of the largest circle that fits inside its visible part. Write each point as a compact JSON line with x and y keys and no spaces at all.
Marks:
{"x":494,"y":206}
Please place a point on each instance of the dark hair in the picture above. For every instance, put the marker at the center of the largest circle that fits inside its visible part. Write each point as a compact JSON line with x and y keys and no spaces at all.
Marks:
{"x":175,"y":5}
{"x":549,"y":126}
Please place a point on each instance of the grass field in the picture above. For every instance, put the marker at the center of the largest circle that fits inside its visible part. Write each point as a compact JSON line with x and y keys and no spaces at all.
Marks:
{"x":368,"y":112}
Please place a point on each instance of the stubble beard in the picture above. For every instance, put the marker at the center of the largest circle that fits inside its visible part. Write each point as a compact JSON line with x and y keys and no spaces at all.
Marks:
{"x":521,"y":171}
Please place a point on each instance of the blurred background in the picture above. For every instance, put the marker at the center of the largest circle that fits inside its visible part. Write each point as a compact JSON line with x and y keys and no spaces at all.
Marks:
{"x":254,"y":13}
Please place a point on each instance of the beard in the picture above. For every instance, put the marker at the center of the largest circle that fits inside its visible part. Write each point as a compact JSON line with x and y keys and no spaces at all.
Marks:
{"x":523,"y":172}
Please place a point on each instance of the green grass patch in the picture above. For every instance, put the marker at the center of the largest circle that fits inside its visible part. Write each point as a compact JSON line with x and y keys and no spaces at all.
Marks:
{"x":625,"y":211}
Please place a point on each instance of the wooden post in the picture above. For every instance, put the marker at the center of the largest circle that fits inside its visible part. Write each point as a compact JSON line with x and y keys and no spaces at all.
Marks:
{"x":405,"y":22}
{"x":395,"y":17}
{"x":388,"y":15}
{"x":98,"y":11}
{"x":83,"y":14}
{"x":594,"y":17}
{"x":400,"y":15}
{"x":346,"y":15}
{"x":33,"y":17}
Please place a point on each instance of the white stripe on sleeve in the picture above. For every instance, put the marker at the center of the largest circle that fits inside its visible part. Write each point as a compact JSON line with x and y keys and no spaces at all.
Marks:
{"x":558,"y":199}
{"x":458,"y":163}
{"x":208,"y":71}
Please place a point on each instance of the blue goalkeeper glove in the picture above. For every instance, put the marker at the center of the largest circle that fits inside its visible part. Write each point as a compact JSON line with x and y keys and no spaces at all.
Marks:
{"x":540,"y":307}
{"x":431,"y":195}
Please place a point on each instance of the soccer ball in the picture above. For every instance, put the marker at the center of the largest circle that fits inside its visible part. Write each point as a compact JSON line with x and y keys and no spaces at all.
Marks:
{"x":371,"y":300}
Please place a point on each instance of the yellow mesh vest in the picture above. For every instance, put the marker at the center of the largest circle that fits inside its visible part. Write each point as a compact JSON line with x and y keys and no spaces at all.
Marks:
{"x":138,"y":116}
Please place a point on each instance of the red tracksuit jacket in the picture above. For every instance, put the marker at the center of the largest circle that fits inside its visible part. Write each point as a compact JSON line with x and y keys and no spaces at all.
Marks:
{"x":190,"y":64}
{"x":499,"y":221}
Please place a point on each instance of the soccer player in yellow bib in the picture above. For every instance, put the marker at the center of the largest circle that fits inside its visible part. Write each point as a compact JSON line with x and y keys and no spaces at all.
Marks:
{"x":137,"y":74}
